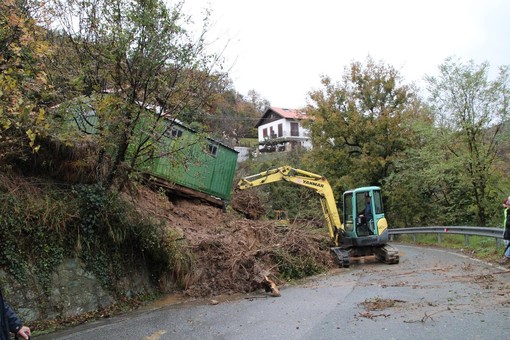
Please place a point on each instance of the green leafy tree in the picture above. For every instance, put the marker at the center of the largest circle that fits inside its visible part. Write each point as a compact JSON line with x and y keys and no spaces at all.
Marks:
{"x":24,"y":90}
{"x":470,"y":111}
{"x":425,"y":188}
{"x":135,"y":65}
{"x":362,"y":125}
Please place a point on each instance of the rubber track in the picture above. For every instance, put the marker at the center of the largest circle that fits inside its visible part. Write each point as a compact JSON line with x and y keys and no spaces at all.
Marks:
{"x":341,"y":257}
{"x":388,"y":254}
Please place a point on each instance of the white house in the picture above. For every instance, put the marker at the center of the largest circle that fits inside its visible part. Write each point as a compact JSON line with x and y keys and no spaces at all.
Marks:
{"x":282,"y":129}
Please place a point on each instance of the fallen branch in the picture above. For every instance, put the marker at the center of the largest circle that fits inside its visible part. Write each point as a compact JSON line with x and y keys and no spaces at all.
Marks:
{"x":426,"y":317}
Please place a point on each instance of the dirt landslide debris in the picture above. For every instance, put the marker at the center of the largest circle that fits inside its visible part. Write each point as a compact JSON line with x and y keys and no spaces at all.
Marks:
{"x":233,"y":254}
{"x":249,"y":204}
{"x":377,"y":304}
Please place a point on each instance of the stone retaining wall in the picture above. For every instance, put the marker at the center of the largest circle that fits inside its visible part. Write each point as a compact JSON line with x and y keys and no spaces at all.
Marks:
{"x":73,"y":291}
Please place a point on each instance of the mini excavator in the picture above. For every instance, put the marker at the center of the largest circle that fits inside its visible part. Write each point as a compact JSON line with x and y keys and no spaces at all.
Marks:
{"x":365,"y":229}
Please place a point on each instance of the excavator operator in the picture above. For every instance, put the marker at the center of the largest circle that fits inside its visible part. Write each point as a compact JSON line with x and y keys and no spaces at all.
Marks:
{"x":365,"y":219}
{"x":368,"y":208}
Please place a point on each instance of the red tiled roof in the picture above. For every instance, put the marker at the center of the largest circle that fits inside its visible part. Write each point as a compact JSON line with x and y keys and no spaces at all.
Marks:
{"x":284,"y":113}
{"x":289,"y":113}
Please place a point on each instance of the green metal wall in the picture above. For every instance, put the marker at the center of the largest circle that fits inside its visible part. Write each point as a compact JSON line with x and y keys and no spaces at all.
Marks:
{"x":200,"y":170}
{"x":188,"y":164}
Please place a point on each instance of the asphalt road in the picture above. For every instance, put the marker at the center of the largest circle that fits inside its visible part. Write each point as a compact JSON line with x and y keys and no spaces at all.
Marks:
{"x":431,"y":294}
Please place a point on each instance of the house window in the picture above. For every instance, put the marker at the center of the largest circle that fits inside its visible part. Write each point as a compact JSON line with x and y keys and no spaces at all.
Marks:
{"x":173,"y":132}
{"x":273,"y":135}
{"x":294,"y":129}
{"x":264,"y":133}
{"x":212,"y":149}
{"x":280,"y":130}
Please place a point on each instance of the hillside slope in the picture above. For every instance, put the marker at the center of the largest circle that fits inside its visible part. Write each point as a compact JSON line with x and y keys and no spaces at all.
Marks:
{"x":230,"y":252}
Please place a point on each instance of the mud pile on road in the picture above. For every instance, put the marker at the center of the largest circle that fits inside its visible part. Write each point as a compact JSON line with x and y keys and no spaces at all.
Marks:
{"x":231,"y":253}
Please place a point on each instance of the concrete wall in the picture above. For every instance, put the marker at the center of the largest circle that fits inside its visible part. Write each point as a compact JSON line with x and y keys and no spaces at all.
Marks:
{"x":244,"y":153}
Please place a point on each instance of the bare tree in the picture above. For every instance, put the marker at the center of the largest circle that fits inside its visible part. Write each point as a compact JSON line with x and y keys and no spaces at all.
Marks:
{"x":134,"y":64}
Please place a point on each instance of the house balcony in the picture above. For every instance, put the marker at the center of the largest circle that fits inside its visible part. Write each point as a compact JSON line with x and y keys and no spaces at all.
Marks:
{"x":284,"y":143}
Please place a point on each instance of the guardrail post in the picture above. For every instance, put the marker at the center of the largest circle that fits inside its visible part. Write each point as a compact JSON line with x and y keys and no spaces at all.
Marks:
{"x":498,"y":243}
{"x":439,"y":238}
{"x":414,"y":238}
{"x":466,"y":240}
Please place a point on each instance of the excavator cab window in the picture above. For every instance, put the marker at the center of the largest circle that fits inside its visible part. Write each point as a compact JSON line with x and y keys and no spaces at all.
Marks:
{"x":378,"y":202}
{"x":349,"y":214}
{"x":365,"y":225}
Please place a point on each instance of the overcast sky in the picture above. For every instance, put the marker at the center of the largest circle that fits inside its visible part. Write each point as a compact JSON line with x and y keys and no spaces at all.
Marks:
{"x":280,"y":48}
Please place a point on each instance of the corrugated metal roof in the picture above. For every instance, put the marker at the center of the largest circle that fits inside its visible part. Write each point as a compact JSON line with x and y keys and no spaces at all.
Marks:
{"x":181,"y":124}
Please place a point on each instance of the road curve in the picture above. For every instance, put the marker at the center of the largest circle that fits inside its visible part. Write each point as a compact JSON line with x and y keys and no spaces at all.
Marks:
{"x":431,"y":294}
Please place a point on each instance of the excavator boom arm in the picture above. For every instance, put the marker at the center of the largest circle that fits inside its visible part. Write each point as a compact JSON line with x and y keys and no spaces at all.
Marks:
{"x":303,"y":178}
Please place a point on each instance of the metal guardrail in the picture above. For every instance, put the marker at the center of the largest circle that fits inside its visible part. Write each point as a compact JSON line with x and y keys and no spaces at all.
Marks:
{"x":496,"y":233}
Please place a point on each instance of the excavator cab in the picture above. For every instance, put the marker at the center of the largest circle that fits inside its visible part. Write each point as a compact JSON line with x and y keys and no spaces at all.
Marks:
{"x":363,"y":216}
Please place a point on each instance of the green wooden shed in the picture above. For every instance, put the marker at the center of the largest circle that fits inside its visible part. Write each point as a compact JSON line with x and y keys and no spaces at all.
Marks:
{"x":202,"y":164}
{"x":188,"y":162}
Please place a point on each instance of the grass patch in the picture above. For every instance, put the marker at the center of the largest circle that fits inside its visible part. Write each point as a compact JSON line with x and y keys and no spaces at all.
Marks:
{"x":484,"y":248}
{"x":248,"y":142}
